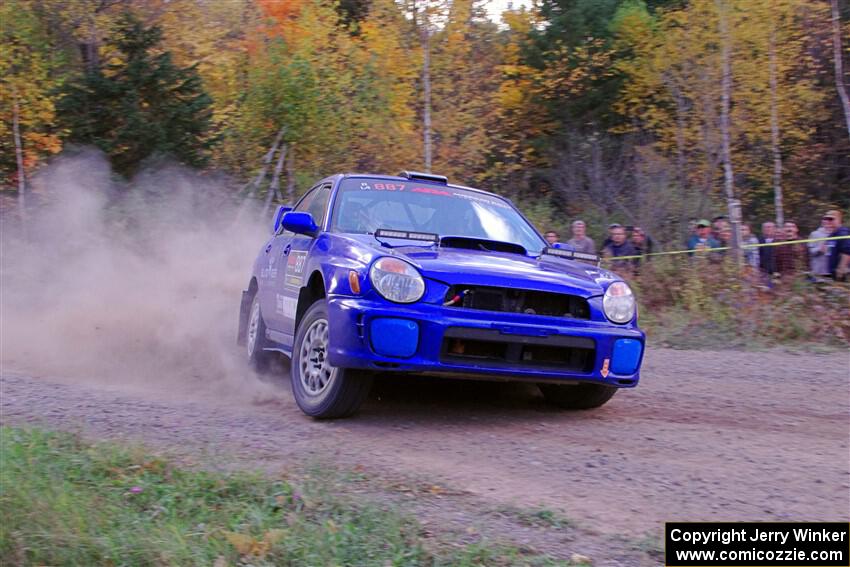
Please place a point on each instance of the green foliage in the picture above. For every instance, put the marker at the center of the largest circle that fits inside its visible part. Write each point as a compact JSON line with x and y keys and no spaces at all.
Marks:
{"x":139,"y":103}
{"x":536,"y":517}
{"x":706,"y":302}
{"x":67,"y":502}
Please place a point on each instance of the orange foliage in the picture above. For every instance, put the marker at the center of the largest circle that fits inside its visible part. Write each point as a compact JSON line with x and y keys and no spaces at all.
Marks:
{"x":282,"y":19}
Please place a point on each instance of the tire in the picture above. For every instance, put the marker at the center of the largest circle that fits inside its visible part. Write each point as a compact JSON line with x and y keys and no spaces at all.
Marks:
{"x":255,"y":338}
{"x":321,"y":390}
{"x":577,"y":396}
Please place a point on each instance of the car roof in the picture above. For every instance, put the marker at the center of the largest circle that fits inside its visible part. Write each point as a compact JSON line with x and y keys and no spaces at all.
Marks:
{"x":399,"y":178}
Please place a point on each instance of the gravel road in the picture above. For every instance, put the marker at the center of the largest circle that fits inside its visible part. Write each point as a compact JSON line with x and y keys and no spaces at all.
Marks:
{"x":706,"y":436}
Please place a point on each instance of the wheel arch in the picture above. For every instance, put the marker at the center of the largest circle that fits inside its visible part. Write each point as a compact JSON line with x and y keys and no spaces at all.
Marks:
{"x":309,"y":294}
{"x":245,"y":309}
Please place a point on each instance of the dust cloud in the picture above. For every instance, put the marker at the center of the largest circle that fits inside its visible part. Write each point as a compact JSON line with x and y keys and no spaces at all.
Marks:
{"x":129,"y":283}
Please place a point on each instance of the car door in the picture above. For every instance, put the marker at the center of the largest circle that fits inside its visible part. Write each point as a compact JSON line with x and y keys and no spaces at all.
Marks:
{"x":271,"y":299}
{"x":294,"y":259}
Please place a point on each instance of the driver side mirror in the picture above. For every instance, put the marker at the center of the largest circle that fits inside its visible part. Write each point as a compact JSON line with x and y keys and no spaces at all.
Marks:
{"x":300,"y":223}
{"x":278,"y":218}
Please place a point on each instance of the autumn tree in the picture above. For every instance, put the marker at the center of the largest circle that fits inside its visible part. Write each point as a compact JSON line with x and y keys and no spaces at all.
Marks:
{"x":464,"y":76}
{"x":27,"y":79}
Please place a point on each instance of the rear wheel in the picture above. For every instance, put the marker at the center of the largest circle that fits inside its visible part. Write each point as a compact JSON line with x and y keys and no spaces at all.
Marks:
{"x":255,"y":338}
{"x":322,"y":390}
{"x":577,"y":396}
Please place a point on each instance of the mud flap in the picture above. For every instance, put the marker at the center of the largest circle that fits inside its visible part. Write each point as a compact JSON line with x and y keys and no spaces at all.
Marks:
{"x":244,"y":313}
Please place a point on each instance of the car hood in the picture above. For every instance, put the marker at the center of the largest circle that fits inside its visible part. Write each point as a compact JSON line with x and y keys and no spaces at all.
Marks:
{"x":455,"y":266}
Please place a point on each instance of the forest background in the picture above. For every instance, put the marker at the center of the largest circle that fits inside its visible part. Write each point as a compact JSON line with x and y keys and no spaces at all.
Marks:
{"x":641,"y":112}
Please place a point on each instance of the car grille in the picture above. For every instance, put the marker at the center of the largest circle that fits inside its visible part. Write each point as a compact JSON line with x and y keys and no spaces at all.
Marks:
{"x":490,"y":348}
{"x":511,"y":300}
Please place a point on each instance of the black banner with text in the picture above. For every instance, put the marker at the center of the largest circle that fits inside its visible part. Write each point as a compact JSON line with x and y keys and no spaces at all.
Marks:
{"x":762,"y":544}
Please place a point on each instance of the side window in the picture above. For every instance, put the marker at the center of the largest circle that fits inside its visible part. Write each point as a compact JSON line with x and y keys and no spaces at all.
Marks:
{"x":302,"y":205}
{"x":305,"y":202}
{"x":319,"y":204}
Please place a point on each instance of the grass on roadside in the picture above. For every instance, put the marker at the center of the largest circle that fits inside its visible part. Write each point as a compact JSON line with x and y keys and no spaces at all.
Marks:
{"x":67,"y":502}
{"x":538,"y":517}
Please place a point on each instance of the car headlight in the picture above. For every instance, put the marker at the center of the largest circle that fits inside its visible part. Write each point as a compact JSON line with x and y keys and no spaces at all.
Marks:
{"x":619,"y":303}
{"x":397,"y":280}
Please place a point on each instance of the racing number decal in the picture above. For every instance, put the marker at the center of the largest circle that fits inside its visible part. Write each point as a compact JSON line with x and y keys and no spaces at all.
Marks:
{"x":295,"y":264}
{"x":364,"y":186}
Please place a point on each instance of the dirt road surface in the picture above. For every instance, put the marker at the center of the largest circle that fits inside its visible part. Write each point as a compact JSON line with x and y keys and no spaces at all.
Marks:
{"x":706,"y":436}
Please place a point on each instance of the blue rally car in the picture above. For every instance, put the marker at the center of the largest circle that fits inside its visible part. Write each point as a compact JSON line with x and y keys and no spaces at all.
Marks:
{"x":409,"y":274}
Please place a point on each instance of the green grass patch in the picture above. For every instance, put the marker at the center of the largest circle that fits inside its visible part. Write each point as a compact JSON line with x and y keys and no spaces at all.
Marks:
{"x":538,"y":517}
{"x":67,"y":502}
{"x":699,"y":303}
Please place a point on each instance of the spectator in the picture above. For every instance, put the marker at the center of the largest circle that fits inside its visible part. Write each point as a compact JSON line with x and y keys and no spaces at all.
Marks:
{"x":767,"y":254}
{"x":552,"y":237}
{"x":791,"y":258}
{"x":609,"y":239}
{"x":718,"y":224}
{"x":692,"y":230}
{"x":839,"y":250}
{"x":580,"y":241}
{"x":702,"y":239}
{"x":724,"y":238}
{"x":819,"y":251}
{"x":751,"y":255}
{"x":619,"y":247}
{"x":642,"y":243}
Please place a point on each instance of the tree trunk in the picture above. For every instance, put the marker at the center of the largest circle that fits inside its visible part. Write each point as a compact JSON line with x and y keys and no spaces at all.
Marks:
{"x":290,"y":176}
{"x":274,"y":186}
{"x":426,"y":113}
{"x":726,"y":89}
{"x":679,"y":98}
{"x":774,"y":129}
{"x":267,"y":159}
{"x":425,"y":41}
{"x":839,"y":63}
{"x":19,"y":154}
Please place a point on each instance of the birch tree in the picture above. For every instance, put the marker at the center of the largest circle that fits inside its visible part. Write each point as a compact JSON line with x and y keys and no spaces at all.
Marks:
{"x":838,"y":57}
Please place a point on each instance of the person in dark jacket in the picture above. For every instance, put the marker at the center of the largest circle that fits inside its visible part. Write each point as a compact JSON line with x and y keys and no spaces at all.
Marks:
{"x":839,"y":250}
{"x":792,"y":259}
{"x":767,"y":254}
{"x":642,"y":244}
{"x":619,"y":247}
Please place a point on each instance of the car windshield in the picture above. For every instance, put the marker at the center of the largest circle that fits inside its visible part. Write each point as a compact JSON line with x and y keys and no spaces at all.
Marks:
{"x":363,"y":205}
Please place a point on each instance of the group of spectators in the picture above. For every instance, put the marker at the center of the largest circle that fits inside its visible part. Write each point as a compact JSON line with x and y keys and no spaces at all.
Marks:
{"x":626,"y":242}
{"x":626,"y":245}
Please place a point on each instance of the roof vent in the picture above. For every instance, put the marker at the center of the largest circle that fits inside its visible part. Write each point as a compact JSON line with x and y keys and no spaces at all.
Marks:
{"x":442,"y":179}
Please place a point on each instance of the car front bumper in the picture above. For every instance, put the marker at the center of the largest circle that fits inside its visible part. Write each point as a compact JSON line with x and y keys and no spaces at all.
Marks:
{"x":432,"y":339}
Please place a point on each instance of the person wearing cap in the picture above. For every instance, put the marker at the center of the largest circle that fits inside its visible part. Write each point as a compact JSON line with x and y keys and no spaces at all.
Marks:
{"x":702,"y":240}
{"x":580,"y":241}
{"x":839,"y":250}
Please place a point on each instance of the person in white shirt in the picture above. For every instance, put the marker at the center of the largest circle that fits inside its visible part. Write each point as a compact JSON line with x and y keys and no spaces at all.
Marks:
{"x":580,"y":241}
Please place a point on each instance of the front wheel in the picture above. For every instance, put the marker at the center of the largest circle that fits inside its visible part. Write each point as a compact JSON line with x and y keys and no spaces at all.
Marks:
{"x":322,"y":390}
{"x":577,"y":396}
